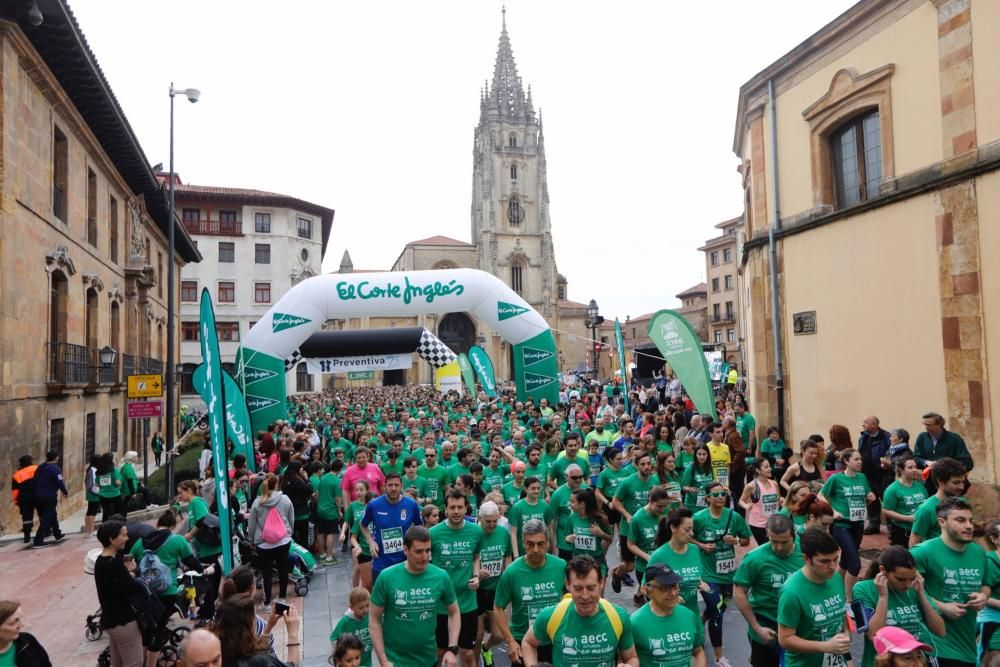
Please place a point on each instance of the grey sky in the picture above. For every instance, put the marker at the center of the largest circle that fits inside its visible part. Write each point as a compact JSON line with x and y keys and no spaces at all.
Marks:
{"x":369,"y":108}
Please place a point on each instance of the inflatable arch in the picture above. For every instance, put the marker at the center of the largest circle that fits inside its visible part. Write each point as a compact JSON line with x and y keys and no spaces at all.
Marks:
{"x":306,"y":306}
{"x":345,"y":345}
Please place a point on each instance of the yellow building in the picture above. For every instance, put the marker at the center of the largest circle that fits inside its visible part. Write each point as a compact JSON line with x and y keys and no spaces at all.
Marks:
{"x":870,"y":153}
{"x":83,"y":253}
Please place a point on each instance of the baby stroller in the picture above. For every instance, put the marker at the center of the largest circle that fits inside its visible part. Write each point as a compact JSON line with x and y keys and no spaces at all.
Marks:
{"x":93,"y":630}
{"x":301,"y":563}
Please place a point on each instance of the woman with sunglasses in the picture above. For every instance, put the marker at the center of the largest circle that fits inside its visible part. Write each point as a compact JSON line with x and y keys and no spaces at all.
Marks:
{"x":696,"y":479}
{"x":717,"y":531}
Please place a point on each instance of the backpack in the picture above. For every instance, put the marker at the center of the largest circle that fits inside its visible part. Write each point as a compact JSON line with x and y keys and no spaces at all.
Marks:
{"x":209,"y":531}
{"x":154,"y":573}
{"x":274,"y":527}
{"x":559,"y":613}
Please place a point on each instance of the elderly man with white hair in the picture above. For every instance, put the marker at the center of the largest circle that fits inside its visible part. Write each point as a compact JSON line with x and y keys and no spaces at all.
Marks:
{"x":559,"y":501}
{"x":494,"y":557}
{"x":200,"y":648}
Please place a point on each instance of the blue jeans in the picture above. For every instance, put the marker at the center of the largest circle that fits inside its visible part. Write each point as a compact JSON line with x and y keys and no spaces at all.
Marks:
{"x":716,"y":600}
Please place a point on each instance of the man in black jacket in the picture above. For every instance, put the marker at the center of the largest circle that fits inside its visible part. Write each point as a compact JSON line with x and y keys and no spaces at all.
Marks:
{"x":48,"y":484}
{"x":873,"y":444}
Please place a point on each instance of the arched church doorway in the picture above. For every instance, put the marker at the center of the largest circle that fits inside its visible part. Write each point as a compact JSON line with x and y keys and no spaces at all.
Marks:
{"x":457,"y":331}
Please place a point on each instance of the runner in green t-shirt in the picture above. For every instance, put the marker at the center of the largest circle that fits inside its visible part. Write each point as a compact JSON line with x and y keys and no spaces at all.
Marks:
{"x":680,"y":554}
{"x":328,"y":515}
{"x":535,"y":467}
{"x":666,"y":633}
{"x":412,"y":480}
{"x":696,"y":478}
{"x":404,"y":605}
{"x":644,"y":526}
{"x":557,"y":471}
{"x":949,"y":475}
{"x":494,"y":557}
{"x":590,"y":534}
{"x":560,"y":506}
{"x":512,"y":490}
{"x":631,"y":495}
{"x":438,"y":478}
{"x":529,"y":507}
{"x":901,"y":499}
{"x":757,"y":582}
{"x":893,"y":594}
{"x":812,"y":607}
{"x":355,"y":622}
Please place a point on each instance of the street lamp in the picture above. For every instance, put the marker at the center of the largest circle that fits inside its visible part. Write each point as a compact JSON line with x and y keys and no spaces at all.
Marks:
{"x":192,"y":94}
{"x":107,"y":356}
{"x":593,"y":321}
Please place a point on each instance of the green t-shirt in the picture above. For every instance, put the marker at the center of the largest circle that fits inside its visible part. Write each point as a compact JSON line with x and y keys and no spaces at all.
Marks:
{"x":584,"y":542}
{"x":130,"y":481}
{"x":359,"y":628}
{"x":642,"y":532}
{"x":847,"y":496}
{"x":925,"y":523}
{"x":633,"y":494}
{"x":410,"y":603}
{"x":342,"y":444}
{"x":528,"y":590}
{"x":610,"y":479}
{"x":798,"y":520}
{"x":603,"y":439}
{"x":816,"y":612}
{"x":494,"y":548}
{"x":197,"y":509}
{"x":584,"y":641}
{"x":328,"y":493}
{"x":110,"y":484}
{"x":762,"y":573}
{"x":493,"y":478}
{"x":7,"y":657}
{"x":418,"y":483}
{"x":718,"y":566}
{"x":560,"y":505}
{"x":511,"y":493}
{"x":174,"y":549}
{"x":746,"y":425}
{"x":695,"y":478}
{"x":541,"y":471}
{"x":557,"y":471}
{"x":438,"y":479}
{"x":453,"y":550}
{"x":666,"y":641}
{"x":684,"y":460}
{"x":903,"y":611}
{"x":904,"y":500}
{"x":522,"y":512}
{"x":397,"y":467}
{"x":950,"y":576}
{"x":687,"y":565}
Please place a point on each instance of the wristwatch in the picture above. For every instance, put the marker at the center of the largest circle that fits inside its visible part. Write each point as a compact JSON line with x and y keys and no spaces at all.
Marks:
{"x":453,"y":649}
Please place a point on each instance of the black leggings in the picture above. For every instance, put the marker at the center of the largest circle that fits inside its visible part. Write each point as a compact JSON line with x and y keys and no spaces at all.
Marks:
{"x":300,"y":532}
{"x":110,"y":506}
{"x":267,"y":560}
{"x":207,"y":609}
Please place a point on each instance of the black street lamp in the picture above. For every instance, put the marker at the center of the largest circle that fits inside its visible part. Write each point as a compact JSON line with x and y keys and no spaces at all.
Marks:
{"x":593,"y":321}
{"x":192,"y":94}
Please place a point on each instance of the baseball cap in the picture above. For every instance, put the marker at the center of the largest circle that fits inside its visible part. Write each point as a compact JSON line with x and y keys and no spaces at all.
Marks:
{"x":892,"y":639}
{"x":662,"y":575}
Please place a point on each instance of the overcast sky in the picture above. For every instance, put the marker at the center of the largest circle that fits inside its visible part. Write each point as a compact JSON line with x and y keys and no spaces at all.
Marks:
{"x":368,"y":107}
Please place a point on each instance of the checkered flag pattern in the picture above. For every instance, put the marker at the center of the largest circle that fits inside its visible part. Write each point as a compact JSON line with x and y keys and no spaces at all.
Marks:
{"x":293,"y":360}
{"x":433,"y":351}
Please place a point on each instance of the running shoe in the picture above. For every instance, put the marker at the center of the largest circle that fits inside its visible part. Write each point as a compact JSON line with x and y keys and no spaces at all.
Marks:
{"x":723,"y":662}
{"x":487,"y":657}
{"x":628,"y":580}
{"x":616,"y":581}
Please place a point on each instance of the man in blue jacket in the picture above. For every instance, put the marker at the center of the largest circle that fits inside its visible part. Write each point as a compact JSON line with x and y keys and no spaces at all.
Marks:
{"x":48,"y":484}
{"x":873,"y":443}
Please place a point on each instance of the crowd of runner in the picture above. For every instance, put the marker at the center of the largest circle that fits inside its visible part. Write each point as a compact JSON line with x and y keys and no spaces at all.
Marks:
{"x":473,"y":524}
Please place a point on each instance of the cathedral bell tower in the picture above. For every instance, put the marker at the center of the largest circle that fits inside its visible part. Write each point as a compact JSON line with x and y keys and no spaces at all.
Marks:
{"x":510,"y":198}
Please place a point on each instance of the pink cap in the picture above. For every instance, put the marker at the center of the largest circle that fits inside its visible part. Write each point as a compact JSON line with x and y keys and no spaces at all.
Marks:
{"x":517,"y":465}
{"x":891,"y":639}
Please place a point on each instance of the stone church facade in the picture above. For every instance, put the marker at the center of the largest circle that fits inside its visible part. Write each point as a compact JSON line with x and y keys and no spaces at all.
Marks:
{"x":510,"y":230}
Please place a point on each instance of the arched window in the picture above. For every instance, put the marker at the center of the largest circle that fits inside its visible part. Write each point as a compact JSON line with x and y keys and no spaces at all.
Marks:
{"x":303,"y":381}
{"x":856,"y":159}
{"x":116,"y":327}
{"x":91,"y":324}
{"x":512,"y":141}
{"x":513,"y":172}
{"x":58,"y":296}
{"x":515,"y":212}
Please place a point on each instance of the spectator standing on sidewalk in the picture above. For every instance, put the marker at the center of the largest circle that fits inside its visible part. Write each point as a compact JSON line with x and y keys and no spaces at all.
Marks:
{"x":937,"y":443}
{"x":114,"y":586}
{"x":874,"y":443}
{"x":16,"y":647}
{"x":22,"y":486}
{"x":48,"y":485}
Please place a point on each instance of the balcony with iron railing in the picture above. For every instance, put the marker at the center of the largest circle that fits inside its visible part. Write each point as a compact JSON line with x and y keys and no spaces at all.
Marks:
{"x":70,"y":364}
{"x":723,"y":317}
{"x":214,"y":227}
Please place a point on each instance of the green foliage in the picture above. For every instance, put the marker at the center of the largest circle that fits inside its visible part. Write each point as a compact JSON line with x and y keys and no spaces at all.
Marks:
{"x":185,"y":467}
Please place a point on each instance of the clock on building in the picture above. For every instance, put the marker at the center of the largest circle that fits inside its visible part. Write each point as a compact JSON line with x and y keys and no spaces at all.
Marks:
{"x":515,"y":213}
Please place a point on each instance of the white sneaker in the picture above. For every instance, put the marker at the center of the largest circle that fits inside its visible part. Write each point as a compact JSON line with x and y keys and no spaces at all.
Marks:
{"x":723,"y":662}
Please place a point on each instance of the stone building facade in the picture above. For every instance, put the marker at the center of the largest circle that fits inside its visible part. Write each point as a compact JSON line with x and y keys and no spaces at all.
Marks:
{"x":886,"y":160}
{"x":723,"y":294}
{"x":83,"y":254}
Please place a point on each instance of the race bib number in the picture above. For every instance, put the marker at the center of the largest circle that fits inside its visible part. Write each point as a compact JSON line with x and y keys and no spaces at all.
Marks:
{"x":723,"y":476}
{"x":585,"y":542}
{"x":493,"y":567}
{"x":770,"y":504}
{"x":104,"y":480}
{"x":830,"y":660}
{"x":725,"y":565}
{"x":392,"y":540}
{"x":700,"y":501}
{"x":858,"y":513}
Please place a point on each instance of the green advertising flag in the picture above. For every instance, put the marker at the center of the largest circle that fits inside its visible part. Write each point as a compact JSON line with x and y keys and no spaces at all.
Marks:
{"x":536,"y":368}
{"x":484,"y":369}
{"x":467,"y":375}
{"x":237,"y":417}
{"x":215,"y":400}
{"x":680,"y":346}
{"x":620,"y":342}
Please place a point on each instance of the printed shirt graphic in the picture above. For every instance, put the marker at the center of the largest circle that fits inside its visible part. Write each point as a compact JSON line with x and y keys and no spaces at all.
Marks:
{"x":721,"y":459}
{"x":666,"y":641}
{"x":817,"y":612}
{"x":584,"y":641}
{"x":359,"y":628}
{"x":387,"y":523}
{"x":904,"y":500}
{"x":903,"y":612}
{"x":687,"y":566}
{"x":642,"y":532}
{"x":453,"y":550}
{"x":494,"y":548}
{"x":763,"y":573}
{"x":719,"y":565}
{"x":437,"y":478}
{"x":950,"y":576}
{"x":633,"y":494}
{"x":410,"y":602}
{"x":529,"y":590}
{"x":847,"y":496}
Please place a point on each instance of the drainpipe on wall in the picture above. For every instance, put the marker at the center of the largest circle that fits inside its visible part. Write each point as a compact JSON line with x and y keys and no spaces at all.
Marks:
{"x":779,"y":372}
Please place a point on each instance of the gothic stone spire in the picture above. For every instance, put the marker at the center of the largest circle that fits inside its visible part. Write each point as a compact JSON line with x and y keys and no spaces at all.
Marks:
{"x":506,"y":93}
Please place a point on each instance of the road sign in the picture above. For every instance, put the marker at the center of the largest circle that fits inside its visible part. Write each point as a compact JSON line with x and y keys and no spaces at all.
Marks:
{"x":144,"y":409}
{"x":361,"y":375}
{"x":145,"y":386}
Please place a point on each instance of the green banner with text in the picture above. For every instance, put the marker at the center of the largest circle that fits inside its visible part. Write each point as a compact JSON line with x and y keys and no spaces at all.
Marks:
{"x":484,"y":370}
{"x":262,"y":378}
{"x":680,"y":346}
{"x":467,"y":374}
{"x":536,"y":368}
{"x":620,"y":342}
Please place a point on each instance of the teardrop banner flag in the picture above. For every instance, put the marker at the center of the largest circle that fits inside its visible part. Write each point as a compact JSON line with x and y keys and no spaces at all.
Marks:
{"x":680,"y":346}
{"x":216,"y":401}
{"x":484,"y":369}
{"x":620,"y":342}
{"x":237,"y":417}
{"x":467,"y":374}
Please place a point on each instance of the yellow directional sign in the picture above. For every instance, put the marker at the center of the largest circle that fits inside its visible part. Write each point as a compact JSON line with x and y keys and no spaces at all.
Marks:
{"x":145,"y":386}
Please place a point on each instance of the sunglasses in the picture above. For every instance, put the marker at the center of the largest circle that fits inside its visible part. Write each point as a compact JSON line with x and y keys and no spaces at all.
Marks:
{"x":430,"y":456}
{"x":718,"y":494}
{"x":574,"y":476}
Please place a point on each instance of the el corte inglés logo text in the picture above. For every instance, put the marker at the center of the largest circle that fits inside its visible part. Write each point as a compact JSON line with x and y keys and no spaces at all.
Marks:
{"x":505,"y":310}
{"x":532,"y":356}
{"x":282,"y":321}
{"x":366,"y":290}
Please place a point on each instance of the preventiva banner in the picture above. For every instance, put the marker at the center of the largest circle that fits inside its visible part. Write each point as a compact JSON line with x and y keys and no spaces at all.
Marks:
{"x":374,"y":362}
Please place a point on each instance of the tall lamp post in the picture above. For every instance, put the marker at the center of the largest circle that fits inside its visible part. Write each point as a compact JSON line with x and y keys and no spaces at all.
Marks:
{"x":593,"y":321}
{"x":192,"y":94}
